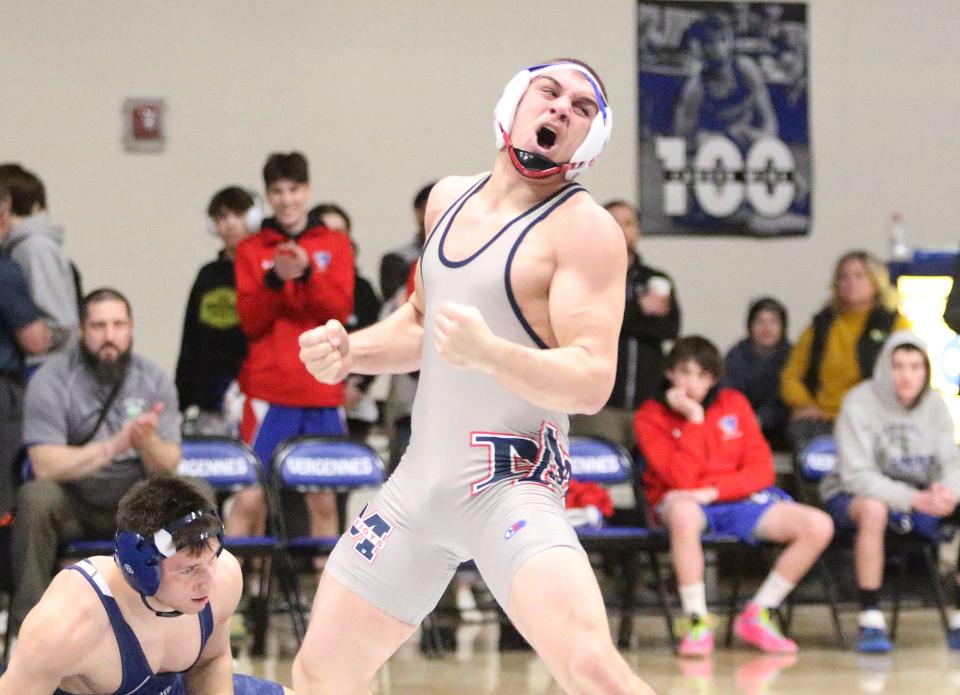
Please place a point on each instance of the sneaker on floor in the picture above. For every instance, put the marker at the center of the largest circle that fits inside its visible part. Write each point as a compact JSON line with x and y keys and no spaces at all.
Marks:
{"x":697,"y":639}
{"x":755,"y":627}
{"x":873,"y":640}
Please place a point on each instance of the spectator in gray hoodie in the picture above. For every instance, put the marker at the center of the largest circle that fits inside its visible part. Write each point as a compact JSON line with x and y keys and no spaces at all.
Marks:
{"x":898,"y":466}
{"x":36,"y":245}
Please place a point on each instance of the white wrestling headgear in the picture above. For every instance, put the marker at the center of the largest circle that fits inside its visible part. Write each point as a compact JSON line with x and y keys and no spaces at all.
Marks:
{"x":590,"y":148}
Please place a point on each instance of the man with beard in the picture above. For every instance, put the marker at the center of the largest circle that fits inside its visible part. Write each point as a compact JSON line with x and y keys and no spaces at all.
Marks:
{"x":97,"y":419}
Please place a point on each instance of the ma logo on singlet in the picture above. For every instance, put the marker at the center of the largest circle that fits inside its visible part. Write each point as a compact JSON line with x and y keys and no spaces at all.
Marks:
{"x":372,"y":532}
{"x":523,"y":459}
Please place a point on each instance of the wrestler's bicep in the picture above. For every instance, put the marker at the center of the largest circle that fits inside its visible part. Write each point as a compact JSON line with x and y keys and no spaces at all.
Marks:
{"x":587,"y":290}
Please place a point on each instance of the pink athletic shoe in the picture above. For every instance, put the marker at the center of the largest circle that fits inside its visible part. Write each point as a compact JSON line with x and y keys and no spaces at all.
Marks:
{"x":698,"y":640}
{"x":755,"y":627}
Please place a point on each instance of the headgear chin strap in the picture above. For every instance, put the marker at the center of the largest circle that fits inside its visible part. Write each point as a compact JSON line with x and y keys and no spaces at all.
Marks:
{"x":536,"y":166}
{"x":139,"y":557}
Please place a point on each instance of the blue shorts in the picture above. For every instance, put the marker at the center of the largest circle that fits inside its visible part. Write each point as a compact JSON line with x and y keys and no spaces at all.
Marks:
{"x":242,"y":685}
{"x":266,"y":425}
{"x":249,"y":685}
{"x":739,"y":518}
{"x":924,"y":525}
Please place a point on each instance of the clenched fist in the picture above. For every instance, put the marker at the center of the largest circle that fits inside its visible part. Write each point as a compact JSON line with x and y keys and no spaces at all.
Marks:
{"x":463,"y":338}
{"x":325,"y":352}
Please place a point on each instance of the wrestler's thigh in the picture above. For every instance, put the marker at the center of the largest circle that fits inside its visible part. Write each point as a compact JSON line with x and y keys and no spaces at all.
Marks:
{"x":349,"y":638}
{"x":556,"y":605}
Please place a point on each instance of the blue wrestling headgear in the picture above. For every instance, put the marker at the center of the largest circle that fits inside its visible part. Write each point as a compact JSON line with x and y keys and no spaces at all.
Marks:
{"x":536,"y":166}
{"x":139,"y":557}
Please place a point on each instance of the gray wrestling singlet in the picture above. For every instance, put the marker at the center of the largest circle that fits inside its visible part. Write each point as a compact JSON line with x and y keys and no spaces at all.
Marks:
{"x":486,"y":471}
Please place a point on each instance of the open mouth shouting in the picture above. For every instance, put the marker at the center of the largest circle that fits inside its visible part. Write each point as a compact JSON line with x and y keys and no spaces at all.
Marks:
{"x":546,"y":137}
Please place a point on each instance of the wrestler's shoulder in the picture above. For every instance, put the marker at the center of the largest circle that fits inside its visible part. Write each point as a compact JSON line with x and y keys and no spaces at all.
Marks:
{"x":447,"y":190}
{"x":69,"y":617}
{"x":229,"y":586}
{"x":451,"y":187}
{"x":582,"y":217}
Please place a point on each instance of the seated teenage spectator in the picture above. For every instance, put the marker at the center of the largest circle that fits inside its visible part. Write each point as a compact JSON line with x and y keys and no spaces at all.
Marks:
{"x":97,"y":419}
{"x":22,"y":332}
{"x":360,"y":407}
{"x":838,"y":350}
{"x":213,"y":344}
{"x":293,"y":275}
{"x":898,"y":464}
{"x":708,"y":468}
{"x":753,"y":367}
{"x":36,"y":245}
{"x":651,"y":315}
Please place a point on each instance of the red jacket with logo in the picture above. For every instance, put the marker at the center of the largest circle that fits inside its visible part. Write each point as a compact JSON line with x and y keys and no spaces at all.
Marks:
{"x":727,"y":451}
{"x":274,"y":313}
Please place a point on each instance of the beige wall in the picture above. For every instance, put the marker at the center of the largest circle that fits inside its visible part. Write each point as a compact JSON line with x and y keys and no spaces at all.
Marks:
{"x":383,"y":96}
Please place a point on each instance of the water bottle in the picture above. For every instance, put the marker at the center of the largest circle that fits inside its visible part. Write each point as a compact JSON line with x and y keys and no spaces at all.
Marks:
{"x":899,"y":243}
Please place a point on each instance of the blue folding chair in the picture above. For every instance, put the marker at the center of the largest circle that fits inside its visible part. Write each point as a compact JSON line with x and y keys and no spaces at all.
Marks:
{"x":599,"y":461}
{"x":309,"y":464}
{"x":815,"y":462}
{"x":229,"y":465}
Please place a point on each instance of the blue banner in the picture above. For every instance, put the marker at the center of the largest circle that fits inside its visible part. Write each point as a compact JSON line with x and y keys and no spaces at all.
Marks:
{"x":724,"y":132}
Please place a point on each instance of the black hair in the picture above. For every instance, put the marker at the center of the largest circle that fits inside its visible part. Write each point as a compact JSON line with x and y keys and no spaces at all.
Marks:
{"x":231,"y":199}
{"x":286,"y":165}
{"x":696,"y":348}
{"x":328,"y":208}
{"x":26,"y":189}
{"x":768,"y":304}
{"x":420,"y":199}
{"x":158,"y":501}
{"x":102,"y":294}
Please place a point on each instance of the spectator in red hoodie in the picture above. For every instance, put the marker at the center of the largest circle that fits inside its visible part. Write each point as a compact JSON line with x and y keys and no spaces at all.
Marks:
{"x":709,"y":468}
{"x":294,"y":274}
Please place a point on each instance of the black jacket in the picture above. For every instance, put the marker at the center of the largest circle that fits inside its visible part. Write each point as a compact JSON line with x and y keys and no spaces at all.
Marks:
{"x":213,"y":345}
{"x":366,"y":311}
{"x":757,"y":376}
{"x":640,"y":353}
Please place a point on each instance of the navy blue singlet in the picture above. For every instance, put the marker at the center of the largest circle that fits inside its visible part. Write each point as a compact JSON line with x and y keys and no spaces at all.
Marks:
{"x":138,"y":677}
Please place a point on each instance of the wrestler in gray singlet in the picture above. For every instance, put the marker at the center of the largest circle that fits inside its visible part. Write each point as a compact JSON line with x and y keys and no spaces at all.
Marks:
{"x":486,"y":471}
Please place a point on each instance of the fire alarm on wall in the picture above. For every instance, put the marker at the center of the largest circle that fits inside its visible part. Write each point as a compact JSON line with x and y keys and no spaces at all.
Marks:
{"x":143,"y":129}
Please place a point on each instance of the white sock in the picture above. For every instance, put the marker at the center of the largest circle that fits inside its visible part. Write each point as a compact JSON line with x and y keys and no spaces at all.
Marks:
{"x":773,"y":590}
{"x":872,"y":618}
{"x":693,"y":599}
{"x":955,"y":620}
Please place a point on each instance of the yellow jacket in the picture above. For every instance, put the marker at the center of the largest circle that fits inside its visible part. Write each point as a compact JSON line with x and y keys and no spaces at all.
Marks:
{"x":839,"y":370}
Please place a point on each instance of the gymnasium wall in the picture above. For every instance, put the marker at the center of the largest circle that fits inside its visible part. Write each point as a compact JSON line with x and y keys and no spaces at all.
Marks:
{"x":383,"y":96}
